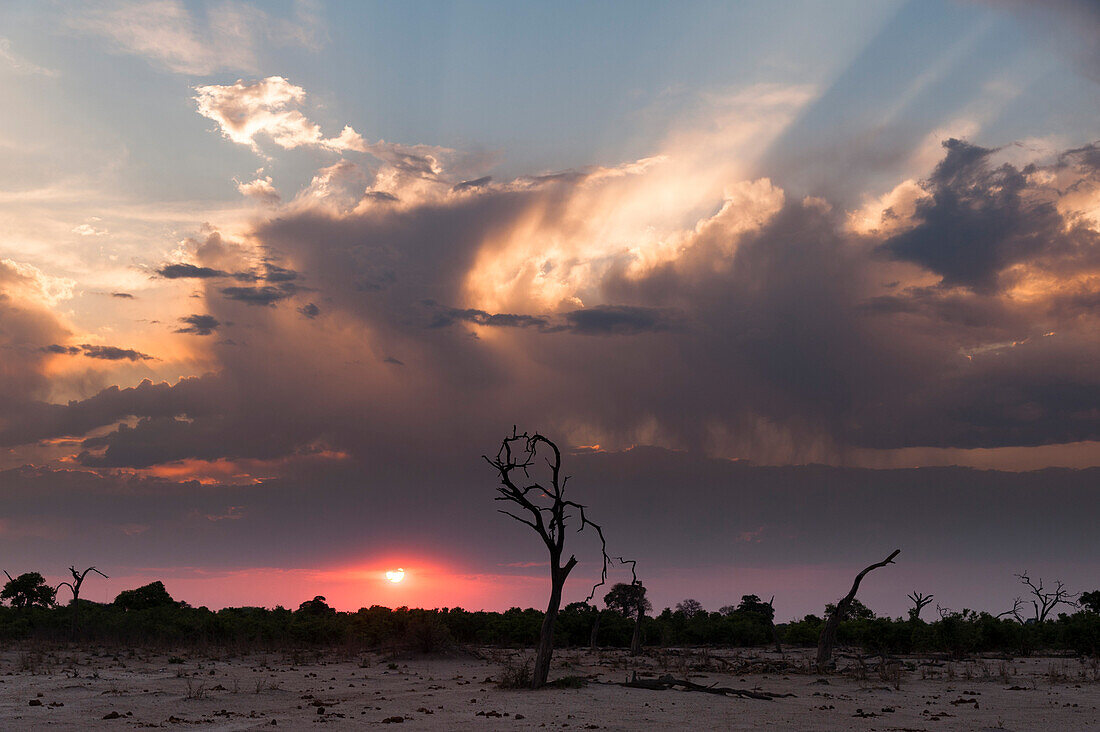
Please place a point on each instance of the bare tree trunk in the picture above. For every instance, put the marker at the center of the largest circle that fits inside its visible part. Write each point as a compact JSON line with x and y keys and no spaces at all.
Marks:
{"x":595,"y":632}
{"x":771,"y":624}
{"x":636,"y":641}
{"x":828,"y":633}
{"x":546,"y":637}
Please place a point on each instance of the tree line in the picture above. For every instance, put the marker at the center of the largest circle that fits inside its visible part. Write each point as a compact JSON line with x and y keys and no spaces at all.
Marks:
{"x":149,"y":615}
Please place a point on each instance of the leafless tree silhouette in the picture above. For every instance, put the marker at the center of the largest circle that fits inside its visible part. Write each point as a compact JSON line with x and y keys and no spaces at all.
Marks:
{"x":78,"y":580}
{"x":1046,"y":600}
{"x":919,"y":603}
{"x":828,"y":633}
{"x":74,"y":586}
{"x":636,"y":639}
{"x":772,"y":628}
{"x":547,"y":512}
{"x":595,"y":630}
{"x":1017,"y":603}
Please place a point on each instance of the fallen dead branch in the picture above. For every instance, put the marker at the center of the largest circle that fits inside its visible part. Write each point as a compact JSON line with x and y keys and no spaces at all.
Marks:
{"x":667,"y":682}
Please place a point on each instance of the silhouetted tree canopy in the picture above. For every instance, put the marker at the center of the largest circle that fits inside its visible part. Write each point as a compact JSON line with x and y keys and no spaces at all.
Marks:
{"x":28,"y":590}
{"x":147,"y":596}
{"x":958,"y":634}
{"x":689,"y":607}
{"x":624,"y":599}
{"x":856,"y":611}
{"x":1090,"y":601}
{"x":753,"y":605}
{"x":316,"y":606}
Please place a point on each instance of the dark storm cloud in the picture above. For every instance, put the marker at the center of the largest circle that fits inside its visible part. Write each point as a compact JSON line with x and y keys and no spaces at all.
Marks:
{"x":157,"y":440}
{"x":310,"y":311}
{"x":105,"y":353}
{"x":443,"y":317}
{"x":619,"y":320}
{"x":468,"y":185}
{"x":381,"y":196}
{"x":269,"y":272}
{"x":262,"y":296}
{"x":189,"y":271}
{"x":113,"y":353}
{"x":202,"y":325}
{"x":275,"y":273}
{"x":191,"y":397}
{"x":779,"y":342}
{"x":978,"y":222}
{"x":604,"y":320}
{"x":63,"y":350}
{"x":1087,"y":157}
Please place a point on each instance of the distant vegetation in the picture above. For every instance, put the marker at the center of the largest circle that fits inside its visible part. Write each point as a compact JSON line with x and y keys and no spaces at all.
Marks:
{"x":150,"y":616}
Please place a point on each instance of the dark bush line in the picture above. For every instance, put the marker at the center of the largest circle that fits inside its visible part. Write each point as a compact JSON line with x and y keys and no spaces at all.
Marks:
{"x":404,"y":629}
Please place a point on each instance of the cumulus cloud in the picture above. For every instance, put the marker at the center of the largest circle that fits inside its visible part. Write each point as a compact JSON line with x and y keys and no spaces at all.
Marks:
{"x":772,"y":328}
{"x":260,"y":189}
{"x":89,"y":230}
{"x":676,"y":300}
{"x":268,"y":107}
{"x":977,"y":221}
{"x":271,"y":110}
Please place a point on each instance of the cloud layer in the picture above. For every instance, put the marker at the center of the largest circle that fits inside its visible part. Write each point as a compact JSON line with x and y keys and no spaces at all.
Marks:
{"x":357,"y":346}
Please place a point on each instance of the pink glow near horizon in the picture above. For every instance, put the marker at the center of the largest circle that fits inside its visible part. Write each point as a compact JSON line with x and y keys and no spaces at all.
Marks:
{"x":798,"y":589}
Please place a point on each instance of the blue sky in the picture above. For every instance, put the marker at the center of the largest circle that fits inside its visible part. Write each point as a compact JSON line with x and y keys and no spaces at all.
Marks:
{"x":551,"y":85}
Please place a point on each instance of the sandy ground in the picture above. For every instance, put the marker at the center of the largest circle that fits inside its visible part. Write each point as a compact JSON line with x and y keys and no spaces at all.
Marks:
{"x":108,"y":689}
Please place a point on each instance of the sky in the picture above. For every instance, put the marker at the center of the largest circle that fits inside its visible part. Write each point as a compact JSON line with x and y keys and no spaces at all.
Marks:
{"x":791,"y":284}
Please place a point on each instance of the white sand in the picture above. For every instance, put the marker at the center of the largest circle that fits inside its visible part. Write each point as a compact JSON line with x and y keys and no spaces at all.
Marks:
{"x":77,"y":688}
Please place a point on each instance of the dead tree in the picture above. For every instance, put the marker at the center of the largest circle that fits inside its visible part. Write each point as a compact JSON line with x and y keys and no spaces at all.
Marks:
{"x":828,"y":633}
{"x":774,"y":630}
{"x":595,"y":631}
{"x":74,"y":586}
{"x":919,"y":603}
{"x":78,"y":580}
{"x":1015,"y":611}
{"x":1046,"y":600}
{"x":636,"y":639}
{"x":548,"y":513}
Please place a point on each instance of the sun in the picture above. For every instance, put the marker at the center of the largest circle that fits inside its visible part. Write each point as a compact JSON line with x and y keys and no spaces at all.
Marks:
{"x":395,"y":575}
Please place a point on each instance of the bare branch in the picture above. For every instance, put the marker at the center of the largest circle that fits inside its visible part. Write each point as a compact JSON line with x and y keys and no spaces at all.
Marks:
{"x":1015,"y":611}
{"x":919,"y":603}
{"x":517,"y":518}
{"x":828,"y":633}
{"x":1047,"y":600}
